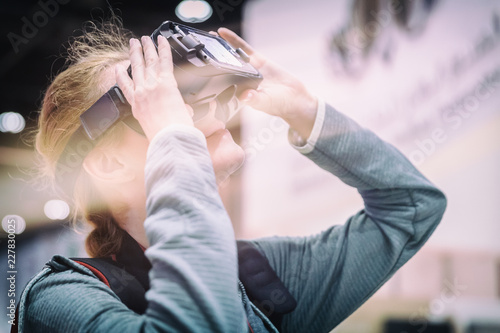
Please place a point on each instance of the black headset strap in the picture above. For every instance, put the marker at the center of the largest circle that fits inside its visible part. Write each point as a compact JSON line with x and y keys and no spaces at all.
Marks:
{"x":70,"y":162}
{"x":78,"y":147}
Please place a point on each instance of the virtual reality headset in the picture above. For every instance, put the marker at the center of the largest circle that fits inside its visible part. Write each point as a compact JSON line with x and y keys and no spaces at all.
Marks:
{"x":210,"y":74}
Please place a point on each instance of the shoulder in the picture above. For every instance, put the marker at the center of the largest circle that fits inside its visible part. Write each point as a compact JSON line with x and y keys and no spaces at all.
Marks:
{"x":58,"y":289}
{"x":60,"y":268}
{"x":62,"y":276}
{"x":62,"y":272}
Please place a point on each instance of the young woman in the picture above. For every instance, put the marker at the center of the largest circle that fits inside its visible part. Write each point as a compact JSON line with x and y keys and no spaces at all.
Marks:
{"x":158,"y":192}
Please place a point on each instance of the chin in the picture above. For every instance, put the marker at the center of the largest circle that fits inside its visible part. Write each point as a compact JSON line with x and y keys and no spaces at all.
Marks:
{"x":227,"y":156}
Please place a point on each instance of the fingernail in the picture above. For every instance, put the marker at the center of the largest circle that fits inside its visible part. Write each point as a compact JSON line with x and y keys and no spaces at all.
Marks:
{"x":248,"y":96}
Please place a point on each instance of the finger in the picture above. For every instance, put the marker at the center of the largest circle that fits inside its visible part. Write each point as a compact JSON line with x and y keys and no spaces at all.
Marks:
{"x":235,"y":40}
{"x":257,"y":99}
{"x":125,"y":83}
{"x":256,"y":60}
{"x":165,"y":55}
{"x":213,"y":33}
{"x":247,"y":95}
{"x":136,"y":61}
{"x":150,"y":54}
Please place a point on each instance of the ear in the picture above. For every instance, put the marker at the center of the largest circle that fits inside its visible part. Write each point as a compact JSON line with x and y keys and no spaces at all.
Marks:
{"x":107,"y":166}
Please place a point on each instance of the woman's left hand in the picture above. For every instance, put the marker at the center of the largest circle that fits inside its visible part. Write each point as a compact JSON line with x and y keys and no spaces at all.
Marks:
{"x":280,"y":93}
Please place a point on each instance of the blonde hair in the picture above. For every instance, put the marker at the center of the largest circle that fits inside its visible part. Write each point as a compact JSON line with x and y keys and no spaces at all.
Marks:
{"x":71,"y":92}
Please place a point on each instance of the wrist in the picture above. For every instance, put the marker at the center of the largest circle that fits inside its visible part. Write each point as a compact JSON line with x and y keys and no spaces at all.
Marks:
{"x":153,"y":126}
{"x":301,"y":119}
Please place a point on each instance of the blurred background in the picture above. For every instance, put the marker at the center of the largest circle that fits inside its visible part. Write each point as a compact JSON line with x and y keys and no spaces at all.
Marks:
{"x":422,"y":74}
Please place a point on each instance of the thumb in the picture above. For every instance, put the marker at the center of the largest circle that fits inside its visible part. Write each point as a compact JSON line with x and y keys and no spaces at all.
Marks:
{"x":125,"y":83}
{"x":257,"y":99}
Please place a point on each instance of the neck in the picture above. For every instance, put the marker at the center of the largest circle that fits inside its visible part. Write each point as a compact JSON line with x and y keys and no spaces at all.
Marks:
{"x":131,"y":218}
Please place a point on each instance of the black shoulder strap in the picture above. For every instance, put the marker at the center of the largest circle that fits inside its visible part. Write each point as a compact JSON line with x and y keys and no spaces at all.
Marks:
{"x":263,"y":287}
{"x":123,"y":284}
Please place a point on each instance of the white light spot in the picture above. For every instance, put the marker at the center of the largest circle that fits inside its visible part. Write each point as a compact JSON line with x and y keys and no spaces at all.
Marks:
{"x":56,"y":209}
{"x":13,"y":224}
{"x":193,"y":11}
{"x":11,"y":122}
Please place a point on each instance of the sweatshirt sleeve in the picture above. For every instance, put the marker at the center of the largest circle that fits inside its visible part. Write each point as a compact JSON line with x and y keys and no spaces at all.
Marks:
{"x":332,"y":273}
{"x":194,"y":283}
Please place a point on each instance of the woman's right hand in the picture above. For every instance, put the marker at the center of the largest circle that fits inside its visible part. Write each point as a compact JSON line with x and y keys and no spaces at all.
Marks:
{"x":280,"y":93}
{"x":152,"y":92}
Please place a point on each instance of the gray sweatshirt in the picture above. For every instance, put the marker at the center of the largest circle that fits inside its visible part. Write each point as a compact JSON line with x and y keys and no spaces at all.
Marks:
{"x":194,"y":276}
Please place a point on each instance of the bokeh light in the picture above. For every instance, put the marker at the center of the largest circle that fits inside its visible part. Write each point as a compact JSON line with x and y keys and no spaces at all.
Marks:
{"x":193,"y":11}
{"x":11,"y":122}
{"x":13,"y":224}
{"x":56,"y":209}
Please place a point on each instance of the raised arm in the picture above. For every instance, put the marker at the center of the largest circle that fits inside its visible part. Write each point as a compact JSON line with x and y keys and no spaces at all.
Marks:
{"x":331,"y":274}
